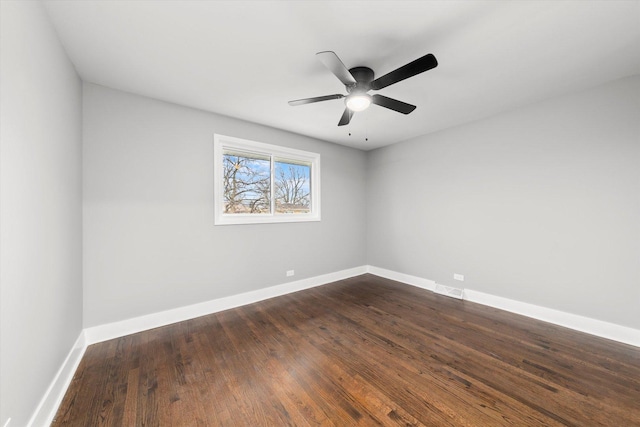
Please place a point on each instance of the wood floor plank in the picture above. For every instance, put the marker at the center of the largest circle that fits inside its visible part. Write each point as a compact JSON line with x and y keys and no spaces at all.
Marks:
{"x":444,"y":382}
{"x":414,"y":370}
{"x":362,"y":351}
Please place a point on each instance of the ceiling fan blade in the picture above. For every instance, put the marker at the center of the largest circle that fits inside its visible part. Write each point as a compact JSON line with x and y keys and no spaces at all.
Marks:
{"x":316,"y":99}
{"x":418,"y":66}
{"x":346,"y":117}
{"x":335,"y":65}
{"x":392,"y":104}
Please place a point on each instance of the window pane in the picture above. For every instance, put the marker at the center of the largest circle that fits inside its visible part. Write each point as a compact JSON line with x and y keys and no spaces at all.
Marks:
{"x":247,"y":183}
{"x":293,"y":187}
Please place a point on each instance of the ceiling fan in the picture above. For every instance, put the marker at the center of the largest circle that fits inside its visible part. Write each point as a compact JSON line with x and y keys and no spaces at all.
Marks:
{"x":360,"y":80}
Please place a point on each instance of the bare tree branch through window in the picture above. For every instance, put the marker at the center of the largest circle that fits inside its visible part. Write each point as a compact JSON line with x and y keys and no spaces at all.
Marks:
{"x":247,"y":184}
{"x":292,"y":185}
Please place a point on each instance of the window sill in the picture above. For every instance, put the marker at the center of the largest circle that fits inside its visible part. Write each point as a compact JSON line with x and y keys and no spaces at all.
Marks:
{"x":238,"y":219}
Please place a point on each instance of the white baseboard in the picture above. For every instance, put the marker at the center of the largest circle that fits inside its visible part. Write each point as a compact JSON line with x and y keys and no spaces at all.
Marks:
{"x":419,"y":282}
{"x":591,"y":326}
{"x":595,"y":327}
{"x":109,"y":331}
{"x":48,"y":406}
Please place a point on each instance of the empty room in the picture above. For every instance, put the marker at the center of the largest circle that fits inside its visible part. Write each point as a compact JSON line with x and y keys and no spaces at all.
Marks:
{"x":319,"y":213}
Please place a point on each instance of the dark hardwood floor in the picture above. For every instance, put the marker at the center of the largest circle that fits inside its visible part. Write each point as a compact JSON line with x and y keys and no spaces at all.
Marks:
{"x":362,"y":351}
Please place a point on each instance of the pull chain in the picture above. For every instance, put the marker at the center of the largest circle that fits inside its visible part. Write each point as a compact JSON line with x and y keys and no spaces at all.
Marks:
{"x":366,"y":128}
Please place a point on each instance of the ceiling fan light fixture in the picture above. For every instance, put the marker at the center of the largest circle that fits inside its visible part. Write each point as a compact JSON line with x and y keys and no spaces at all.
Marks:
{"x":358,"y":102}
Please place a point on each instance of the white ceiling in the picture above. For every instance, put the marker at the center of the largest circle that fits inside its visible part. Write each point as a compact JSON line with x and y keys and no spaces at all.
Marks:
{"x":246,"y":59}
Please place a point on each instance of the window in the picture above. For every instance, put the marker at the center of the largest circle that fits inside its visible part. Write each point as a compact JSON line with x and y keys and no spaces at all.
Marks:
{"x":262,"y":183}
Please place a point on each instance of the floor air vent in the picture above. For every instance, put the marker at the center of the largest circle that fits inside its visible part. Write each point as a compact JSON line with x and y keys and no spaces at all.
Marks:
{"x":449,"y":291}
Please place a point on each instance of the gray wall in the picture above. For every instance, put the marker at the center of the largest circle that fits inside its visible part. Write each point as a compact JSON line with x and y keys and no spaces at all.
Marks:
{"x":40,"y":208}
{"x":540,"y":205}
{"x":149,"y":239}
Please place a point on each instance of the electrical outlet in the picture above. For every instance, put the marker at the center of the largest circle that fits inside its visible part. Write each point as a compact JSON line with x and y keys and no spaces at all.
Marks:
{"x":459,"y":277}
{"x":290,"y":273}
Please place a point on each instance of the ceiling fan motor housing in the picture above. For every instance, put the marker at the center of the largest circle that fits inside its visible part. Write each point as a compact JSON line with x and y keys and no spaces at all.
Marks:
{"x":363,"y":76}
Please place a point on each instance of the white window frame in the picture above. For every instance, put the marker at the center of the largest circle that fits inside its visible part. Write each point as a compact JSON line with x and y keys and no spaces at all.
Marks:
{"x":223,"y":142}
